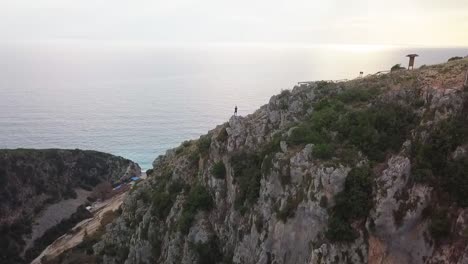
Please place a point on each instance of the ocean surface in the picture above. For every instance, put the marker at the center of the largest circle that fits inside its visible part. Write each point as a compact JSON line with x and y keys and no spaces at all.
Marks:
{"x":138,"y":101}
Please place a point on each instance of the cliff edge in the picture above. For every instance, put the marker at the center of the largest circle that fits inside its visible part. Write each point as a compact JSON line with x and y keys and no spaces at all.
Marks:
{"x":372,"y":170}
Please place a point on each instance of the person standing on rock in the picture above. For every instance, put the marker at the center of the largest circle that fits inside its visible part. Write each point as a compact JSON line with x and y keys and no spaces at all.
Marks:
{"x":235,"y":110}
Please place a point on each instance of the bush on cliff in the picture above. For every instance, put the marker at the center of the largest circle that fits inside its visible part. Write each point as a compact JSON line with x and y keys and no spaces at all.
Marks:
{"x":223,"y":135}
{"x":454,"y":58}
{"x":247,"y":175}
{"x":323,"y":151}
{"x":397,"y":67}
{"x":219,"y":170}
{"x":203,"y":145}
{"x":162,"y":199}
{"x":199,"y":199}
{"x":374,"y":130}
{"x":432,"y":161}
{"x":353,"y":203}
{"x":162,"y":204}
{"x":439,"y":226}
{"x":208,"y":252}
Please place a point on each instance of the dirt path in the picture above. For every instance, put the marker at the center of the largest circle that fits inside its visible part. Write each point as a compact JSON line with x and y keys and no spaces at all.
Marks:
{"x":53,"y":214}
{"x":68,"y":241}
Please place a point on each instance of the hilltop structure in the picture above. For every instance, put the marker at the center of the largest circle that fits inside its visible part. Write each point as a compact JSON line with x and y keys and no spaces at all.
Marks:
{"x":411,"y":60}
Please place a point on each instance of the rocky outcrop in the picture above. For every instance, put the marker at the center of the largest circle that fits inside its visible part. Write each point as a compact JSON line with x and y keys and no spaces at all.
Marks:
{"x":40,"y":188}
{"x":366,"y":171}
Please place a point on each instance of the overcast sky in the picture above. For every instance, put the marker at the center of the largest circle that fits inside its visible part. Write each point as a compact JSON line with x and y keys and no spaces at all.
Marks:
{"x":305,"y":22}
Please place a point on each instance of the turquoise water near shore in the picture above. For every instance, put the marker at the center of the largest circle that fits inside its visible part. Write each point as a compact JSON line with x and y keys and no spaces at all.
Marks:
{"x":139,"y":101}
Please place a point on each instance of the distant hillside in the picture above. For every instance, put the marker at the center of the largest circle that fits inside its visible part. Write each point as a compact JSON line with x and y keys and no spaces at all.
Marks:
{"x":33,"y":180}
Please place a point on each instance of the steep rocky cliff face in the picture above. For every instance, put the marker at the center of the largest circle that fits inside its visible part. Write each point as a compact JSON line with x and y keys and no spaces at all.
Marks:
{"x":40,"y":188}
{"x":372,"y":170}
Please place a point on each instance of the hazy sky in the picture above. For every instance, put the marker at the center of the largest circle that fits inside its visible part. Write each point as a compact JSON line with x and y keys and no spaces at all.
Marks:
{"x":305,"y":22}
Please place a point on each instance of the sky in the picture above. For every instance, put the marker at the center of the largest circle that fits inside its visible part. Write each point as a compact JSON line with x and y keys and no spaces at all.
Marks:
{"x":434,"y":23}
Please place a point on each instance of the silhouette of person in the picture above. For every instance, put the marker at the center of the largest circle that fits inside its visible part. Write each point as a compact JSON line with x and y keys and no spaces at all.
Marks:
{"x":235,"y":110}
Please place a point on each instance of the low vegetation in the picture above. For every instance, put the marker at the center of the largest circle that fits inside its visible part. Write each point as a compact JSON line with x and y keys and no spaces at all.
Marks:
{"x":223,"y":135}
{"x":353,"y":203}
{"x":208,"y":252}
{"x":163,"y":196}
{"x":247,"y":175}
{"x":432,"y":160}
{"x":340,"y":124}
{"x":455,"y":58}
{"x":203,"y":144}
{"x":149,"y":172}
{"x":219,"y":170}
{"x":439,"y":226}
{"x":289,"y":209}
{"x":397,"y":67}
{"x":198,"y":199}
{"x":323,"y":151}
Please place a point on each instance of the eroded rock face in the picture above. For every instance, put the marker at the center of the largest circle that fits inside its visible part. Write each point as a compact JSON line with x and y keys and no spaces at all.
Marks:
{"x":288,"y":220}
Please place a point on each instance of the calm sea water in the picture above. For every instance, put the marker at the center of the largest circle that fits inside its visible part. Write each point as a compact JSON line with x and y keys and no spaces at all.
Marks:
{"x":139,"y":101}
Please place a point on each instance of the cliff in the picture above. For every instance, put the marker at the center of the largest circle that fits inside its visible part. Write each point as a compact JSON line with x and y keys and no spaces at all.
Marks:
{"x":372,"y":170}
{"x":41,"y":190}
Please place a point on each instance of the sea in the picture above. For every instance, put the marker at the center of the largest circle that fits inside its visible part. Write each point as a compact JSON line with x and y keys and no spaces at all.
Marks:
{"x":137,"y":101}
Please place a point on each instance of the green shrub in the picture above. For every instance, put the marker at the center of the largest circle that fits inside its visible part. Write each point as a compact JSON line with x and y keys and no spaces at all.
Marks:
{"x":440,"y":225}
{"x":247,"y":175}
{"x":193,"y":157}
{"x":184,"y":148}
{"x":203,"y":145}
{"x":162,"y":204}
{"x":353,"y":203}
{"x":455,"y":181}
{"x":289,"y":210}
{"x":176,"y":187}
{"x":317,"y":129}
{"x":323,"y":202}
{"x":271,"y":146}
{"x":357,"y":95}
{"x":376,"y":130}
{"x":208,"y":252}
{"x":223,"y":135}
{"x":340,"y":230}
{"x":432,"y":162}
{"x":455,"y":58}
{"x":198,"y":199}
{"x":285,"y":177}
{"x":323,"y":151}
{"x":186,"y":143}
{"x":322,"y":84}
{"x":268,"y":151}
{"x":219,"y":170}
{"x":326,"y":113}
{"x":307,"y":133}
{"x":396,"y":67}
{"x":164,"y":194}
{"x":267,"y":164}
{"x":155,"y":247}
{"x":283,"y":99}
